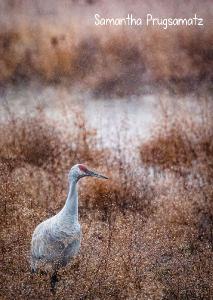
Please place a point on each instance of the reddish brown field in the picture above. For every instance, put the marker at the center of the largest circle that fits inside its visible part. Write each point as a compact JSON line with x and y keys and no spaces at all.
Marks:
{"x":148,"y":230}
{"x":107,"y":61}
{"x":143,"y":237}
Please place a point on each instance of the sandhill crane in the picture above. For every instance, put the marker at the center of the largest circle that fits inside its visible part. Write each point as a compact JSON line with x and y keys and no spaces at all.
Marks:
{"x":56,"y":240}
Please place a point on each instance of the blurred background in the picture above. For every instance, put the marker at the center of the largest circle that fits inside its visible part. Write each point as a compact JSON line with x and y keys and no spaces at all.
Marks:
{"x":132,"y":102}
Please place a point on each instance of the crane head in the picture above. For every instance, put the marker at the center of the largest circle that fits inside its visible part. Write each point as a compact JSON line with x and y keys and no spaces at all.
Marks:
{"x":78,"y":171}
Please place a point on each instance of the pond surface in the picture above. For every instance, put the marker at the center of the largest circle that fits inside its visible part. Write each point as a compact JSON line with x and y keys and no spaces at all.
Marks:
{"x":117,"y":121}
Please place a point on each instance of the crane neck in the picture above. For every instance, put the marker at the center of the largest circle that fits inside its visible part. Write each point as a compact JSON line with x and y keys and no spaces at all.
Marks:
{"x":71,"y":204}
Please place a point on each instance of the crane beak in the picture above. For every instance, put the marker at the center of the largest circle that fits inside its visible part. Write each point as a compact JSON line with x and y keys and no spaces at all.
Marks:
{"x":94,"y":174}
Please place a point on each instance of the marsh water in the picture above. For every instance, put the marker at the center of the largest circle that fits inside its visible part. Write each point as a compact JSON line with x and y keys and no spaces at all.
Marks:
{"x":118,"y":120}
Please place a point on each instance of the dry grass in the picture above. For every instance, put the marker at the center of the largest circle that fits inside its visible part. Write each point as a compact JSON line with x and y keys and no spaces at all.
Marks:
{"x":148,"y":231}
{"x":181,"y":144}
{"x":174,"y":149}
{"x":118,"y":62}
{"x":143,"y":237}
{"x":32,"y":185}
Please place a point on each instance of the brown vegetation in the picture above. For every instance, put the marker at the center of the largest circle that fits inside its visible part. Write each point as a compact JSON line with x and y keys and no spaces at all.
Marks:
{"x":108,"y":62}
{"x":173,"y":149}
{"x":181,"y":144}
{"x":143,"y":237}
{"x":148,"y":230}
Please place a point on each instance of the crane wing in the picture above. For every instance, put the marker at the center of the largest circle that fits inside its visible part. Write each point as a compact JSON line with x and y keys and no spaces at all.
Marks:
{"x":46,"y":247}
{"x":70,"y":251}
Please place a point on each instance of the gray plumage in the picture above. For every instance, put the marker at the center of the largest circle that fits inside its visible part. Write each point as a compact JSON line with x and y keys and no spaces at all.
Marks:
{"x":57,"y":240}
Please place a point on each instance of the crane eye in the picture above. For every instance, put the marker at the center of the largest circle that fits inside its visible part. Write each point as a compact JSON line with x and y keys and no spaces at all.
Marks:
{"x":83,"y":168}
